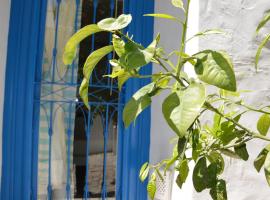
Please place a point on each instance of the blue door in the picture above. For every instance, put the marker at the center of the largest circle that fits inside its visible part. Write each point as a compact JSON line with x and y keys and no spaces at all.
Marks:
{"x":53,"y":146}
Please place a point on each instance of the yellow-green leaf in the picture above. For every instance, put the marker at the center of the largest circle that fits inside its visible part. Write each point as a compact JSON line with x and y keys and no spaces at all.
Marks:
{"x":262,"y":23}
{"x":267,"y":168}
{"x":259,"y":161}
{"x":178,"y":4}
{"x":88,"y":68}
{"x":163,"y":16}
{"x":259,"y":51}
{"x":180,"y":109}
{"x":215,"y":68}
{"x":263,"y":124}
{"x":71,"y":45}
{"x":144,"y":171}
{"x":152,"y":187}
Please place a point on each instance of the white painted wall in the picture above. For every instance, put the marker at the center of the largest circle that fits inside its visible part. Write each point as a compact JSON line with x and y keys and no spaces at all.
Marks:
{"x":4,"y":25}
{"x":239,"y":18}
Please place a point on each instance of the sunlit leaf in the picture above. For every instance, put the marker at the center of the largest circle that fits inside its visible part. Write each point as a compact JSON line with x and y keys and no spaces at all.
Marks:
{"x":118,"y":45}
{"x":215,"y":68}
{"x":178,"y":4}
{"x":111,"y":24}
{"x":262,"y":23}
{"x":71,"y":45}
{"x":259,"y":51}
{"x":163,"y":16}
{"x":180,"y":109}
{"x":88,"y":68}
{"x":207,"y":32}
{"x":263,"y":124}
{"x":144,"y":171}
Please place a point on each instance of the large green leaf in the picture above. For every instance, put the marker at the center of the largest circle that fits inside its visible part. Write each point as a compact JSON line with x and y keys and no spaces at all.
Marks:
{"x":178,"y":4}
{"x":262,"y":23}
{"x":219,"y":192}
{"x":259,"y":51}
{"x":111,"y":24}
{"x":259,"y":161}
{"x":199,"y":175}
{"x":180,"y":109}
{"x":135,"y":56}
{"x":88,"y":68}
{"x":216,"y":69}
{"x":139,"y":101}
{"x":267,"y":168}
{"x":71,"y":46}
{"x":263,"y":124}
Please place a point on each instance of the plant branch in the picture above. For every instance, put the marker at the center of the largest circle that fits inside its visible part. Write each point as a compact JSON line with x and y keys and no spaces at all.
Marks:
{"x":182,"y":44}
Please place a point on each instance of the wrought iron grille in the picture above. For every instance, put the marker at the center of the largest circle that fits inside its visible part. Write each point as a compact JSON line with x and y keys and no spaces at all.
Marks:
{"x":77,"y":147}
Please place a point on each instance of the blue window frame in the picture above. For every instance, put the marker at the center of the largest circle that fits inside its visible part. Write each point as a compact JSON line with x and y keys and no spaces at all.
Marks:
{"x":20,"y":143}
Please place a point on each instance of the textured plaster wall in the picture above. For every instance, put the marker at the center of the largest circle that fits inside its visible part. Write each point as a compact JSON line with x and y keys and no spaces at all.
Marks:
{"x":4,"y":23}
{"x":239,"y":18}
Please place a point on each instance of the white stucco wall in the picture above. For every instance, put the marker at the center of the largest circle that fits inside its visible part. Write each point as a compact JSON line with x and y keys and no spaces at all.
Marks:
{"x":4,"y":24}
{"x":239,"y":18}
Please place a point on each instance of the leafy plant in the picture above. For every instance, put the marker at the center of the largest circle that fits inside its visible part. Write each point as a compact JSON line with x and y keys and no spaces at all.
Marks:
{"x":186,"y":103}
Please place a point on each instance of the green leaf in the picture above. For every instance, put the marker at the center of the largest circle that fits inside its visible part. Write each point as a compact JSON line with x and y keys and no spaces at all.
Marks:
{"x":71,"y":45}
{"x":163,"y":16}
{"x":88,"y":68}
{"x":135,"y":56}
{"x":263,"y":124}
{"x":139,"y":101}
{"x":199,"y":173}
{"x":242,"y":152}
{"x":219,"y":192}
{"x":180,"y":109}
{"x":229,"y":153}
{"x":215,"y":69}
{"x":183,"y":173}
{"x":151,"y":187}
{"x":216,"y":158}
{"x":112,"y":24}
{"x":144,"y":171}
{"x":262,"y":23}
{"x":267,"y":168}
{"x":181,"y":145}
{"x":178,"y":4}
{"x":207,"y":32}
{"x":118,"y":45}
{"x":259,"y":51}
{"x":259,"y":161}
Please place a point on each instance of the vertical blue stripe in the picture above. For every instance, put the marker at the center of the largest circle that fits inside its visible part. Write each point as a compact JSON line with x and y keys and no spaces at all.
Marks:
{"x":23,"y":54}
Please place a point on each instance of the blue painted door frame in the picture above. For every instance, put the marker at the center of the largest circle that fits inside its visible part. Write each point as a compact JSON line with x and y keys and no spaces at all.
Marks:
{"x":24,"y":62}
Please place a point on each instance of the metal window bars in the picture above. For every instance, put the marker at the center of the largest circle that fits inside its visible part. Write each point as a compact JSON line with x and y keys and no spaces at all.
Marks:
{"x":60,"y":103}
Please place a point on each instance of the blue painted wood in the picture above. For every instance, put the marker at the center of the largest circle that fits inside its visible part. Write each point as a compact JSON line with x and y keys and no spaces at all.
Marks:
{"x":134,"y":142}
{"x":25,"y":48}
